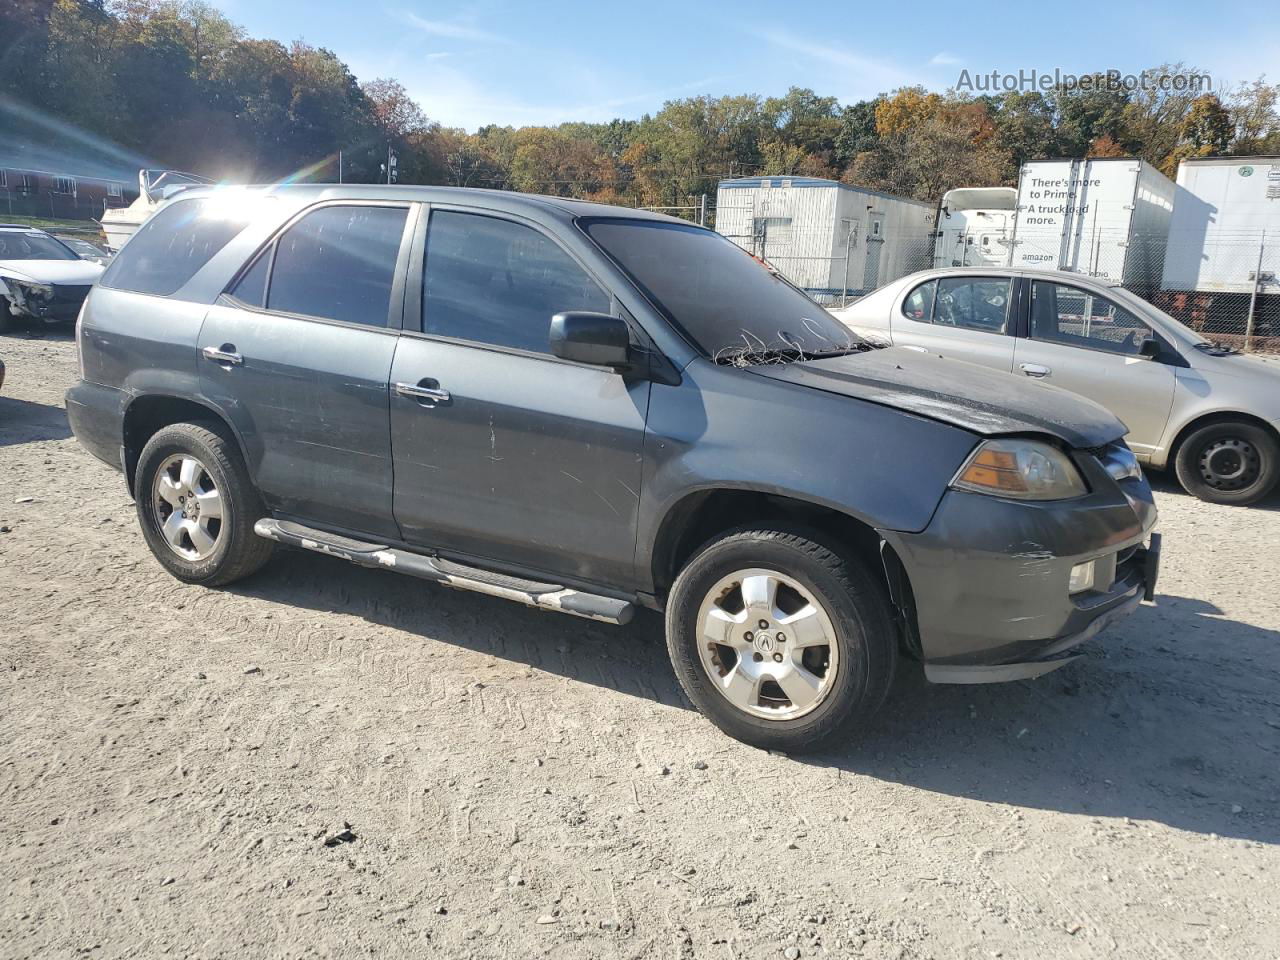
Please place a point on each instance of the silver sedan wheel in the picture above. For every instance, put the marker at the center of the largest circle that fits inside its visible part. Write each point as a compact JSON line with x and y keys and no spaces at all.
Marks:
{"x":768,"y":646}
{"x":188,"y":507}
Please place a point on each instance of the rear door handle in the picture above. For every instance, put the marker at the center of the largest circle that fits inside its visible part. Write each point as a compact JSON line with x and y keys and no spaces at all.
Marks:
{"x":1035,"y":370}
{"x":223,"y":354}
{"x":424,"y":390}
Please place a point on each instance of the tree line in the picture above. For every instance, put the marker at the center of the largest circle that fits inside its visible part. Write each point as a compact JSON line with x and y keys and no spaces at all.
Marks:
{"x":177,"y":82}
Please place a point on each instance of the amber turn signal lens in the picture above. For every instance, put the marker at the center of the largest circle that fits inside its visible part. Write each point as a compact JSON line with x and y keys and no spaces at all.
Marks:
{"x":996,"y":469}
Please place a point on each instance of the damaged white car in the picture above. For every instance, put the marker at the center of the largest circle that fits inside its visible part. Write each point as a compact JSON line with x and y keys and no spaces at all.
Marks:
{"x":42,"y":280}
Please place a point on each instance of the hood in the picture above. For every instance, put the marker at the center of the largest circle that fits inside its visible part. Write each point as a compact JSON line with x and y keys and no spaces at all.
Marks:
{"x":963,"y":394}
{"x":73,"y":272}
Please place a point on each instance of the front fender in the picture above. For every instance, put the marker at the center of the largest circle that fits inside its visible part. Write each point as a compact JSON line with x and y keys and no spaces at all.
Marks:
{"x":724,"y":428}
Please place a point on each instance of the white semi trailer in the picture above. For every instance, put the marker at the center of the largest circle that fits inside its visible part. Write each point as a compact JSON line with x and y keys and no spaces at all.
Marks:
{"x":1100,"y":216}
{"x":975,"y":227}
{"x":1220,"y":273}
{"x":834,"y":240}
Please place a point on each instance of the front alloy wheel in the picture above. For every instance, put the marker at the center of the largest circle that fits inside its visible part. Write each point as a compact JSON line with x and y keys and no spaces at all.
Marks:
{"x":769,"y":645}
{"x":782,"y":640}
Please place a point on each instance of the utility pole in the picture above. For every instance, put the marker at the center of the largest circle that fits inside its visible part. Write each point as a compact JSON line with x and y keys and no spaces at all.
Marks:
{"x":339,"y":166}
{"x":702,"y":212}
{"x":1253,"y":297}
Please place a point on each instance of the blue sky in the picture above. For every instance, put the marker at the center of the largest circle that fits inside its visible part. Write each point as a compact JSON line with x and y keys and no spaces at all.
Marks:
{"x":471,"y":63}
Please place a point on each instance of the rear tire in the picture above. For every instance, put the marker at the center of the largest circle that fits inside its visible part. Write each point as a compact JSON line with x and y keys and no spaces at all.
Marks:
{"x":767,"y":672}
{"x":197,"y":506}
{"x":1230,"y":462}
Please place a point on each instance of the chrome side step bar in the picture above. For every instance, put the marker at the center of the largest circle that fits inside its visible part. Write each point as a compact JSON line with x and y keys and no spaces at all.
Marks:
{"x":545,"y":596}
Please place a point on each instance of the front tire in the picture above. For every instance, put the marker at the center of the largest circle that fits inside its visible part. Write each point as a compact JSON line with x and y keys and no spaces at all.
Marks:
{"x":779,"y":640}
{"x":1231,"y":462}
{"x":197,"y":506}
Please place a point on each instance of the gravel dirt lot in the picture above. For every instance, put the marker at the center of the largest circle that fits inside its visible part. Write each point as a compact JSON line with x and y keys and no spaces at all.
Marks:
{"x":325,"y":761}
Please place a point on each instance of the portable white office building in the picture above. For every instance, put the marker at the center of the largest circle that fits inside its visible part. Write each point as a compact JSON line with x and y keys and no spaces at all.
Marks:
{"x":832,"y":239}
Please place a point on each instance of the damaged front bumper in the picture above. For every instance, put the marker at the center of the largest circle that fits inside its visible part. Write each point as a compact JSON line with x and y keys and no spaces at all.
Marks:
{"x":992,"y":578}
{"x":47,"y":302}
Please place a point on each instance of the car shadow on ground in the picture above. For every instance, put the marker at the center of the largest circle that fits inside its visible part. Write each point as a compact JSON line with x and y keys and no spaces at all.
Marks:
{"x":22,"y":421}
{"x":1137,"y":729}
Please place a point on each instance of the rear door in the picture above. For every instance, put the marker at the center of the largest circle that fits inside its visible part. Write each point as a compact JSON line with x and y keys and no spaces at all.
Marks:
{"x":1087,"y":343}
{"x":503,"y":451}
{"x":965,"y":318}
{"x":299,"y":352}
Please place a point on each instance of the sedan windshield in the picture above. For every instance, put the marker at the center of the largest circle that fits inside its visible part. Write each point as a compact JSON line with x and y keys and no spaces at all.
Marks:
{"x":732,"y":307}
{"x":32,"y":246}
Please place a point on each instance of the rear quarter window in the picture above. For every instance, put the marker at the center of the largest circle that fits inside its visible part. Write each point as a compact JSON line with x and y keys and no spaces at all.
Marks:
{"x":171,"y":247}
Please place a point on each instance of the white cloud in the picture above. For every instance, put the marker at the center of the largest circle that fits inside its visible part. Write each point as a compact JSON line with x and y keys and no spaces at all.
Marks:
{"x":453,"y":30}
{"x":944,"y":59}
{"x":867,"y":74}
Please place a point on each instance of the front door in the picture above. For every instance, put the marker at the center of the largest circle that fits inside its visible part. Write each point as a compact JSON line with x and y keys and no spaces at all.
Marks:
{"x":299,"y":354}
{"x":503,"y":451}
{"x":1091,"y":345}
{"x":964,"y":318}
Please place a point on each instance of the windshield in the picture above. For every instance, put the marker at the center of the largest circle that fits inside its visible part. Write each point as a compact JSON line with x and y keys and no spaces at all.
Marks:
{"x":32,"y":246}
{"x":733,"y":307}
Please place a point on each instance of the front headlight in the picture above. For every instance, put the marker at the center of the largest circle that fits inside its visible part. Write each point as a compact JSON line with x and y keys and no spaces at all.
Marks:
{"x":1020,"y":469}
{"x":41,"y":291}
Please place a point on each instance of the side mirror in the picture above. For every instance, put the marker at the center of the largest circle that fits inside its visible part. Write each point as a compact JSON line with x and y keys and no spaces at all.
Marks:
{"x":594,"y":338}
{"x":1149,"y":348}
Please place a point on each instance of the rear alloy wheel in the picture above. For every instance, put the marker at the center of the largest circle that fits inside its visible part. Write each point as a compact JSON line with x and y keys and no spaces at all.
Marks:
{"x":780,"y":640}
{"x":1231,"y":463}
{"x":197,"y":505}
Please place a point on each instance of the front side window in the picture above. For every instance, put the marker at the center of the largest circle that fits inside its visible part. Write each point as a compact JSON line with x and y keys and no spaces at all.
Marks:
{"x":973,"y":303}
{"x":498,"y":282}
{"x":175,"y":243}
{"x":336,"y":263}
{"x":1077,"y":318}
{"x":919,"y":302}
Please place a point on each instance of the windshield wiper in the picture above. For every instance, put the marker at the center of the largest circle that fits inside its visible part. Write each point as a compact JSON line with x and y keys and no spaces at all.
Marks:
{"x":1216,"y":349}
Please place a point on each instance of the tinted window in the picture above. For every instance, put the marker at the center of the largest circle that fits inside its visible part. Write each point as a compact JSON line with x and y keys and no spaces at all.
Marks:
{"x":494,"y":281}
{"x":1069,"y":315}
{"x":252,"y":288}
{"x":919,"y":302}
{"x":720,"y":296}
{"x":338,"y":263}
{"x":176,"y":242}
{"x":973,"y":303}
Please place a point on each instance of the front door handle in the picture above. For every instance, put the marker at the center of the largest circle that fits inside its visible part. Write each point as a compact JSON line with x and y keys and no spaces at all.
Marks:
{"x":1035,"y":370}
{"x":223,"y":354}
{"x":425,"y":391}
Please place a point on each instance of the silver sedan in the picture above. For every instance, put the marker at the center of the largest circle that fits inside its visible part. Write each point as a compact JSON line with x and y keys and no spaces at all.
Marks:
{"x":1210,"y":413}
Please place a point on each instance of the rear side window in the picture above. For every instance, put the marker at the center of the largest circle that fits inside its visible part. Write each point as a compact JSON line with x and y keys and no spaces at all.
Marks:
{"x":494,"y":281}
{"x":173,"y":245}
{"x":919,"y":302}
{"x":337,"y":263}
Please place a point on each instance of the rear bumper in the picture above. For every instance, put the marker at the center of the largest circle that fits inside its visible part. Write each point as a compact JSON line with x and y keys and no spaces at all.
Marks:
{"x":990,"y":578}
{"x":96,"y":415}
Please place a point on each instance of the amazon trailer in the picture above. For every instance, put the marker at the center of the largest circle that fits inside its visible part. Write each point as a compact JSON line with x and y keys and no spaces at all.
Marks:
{"x":1102,"y":217}
{"x":833,"y":240}
{"x":1224,"y":250}
{"x":975,"y":227}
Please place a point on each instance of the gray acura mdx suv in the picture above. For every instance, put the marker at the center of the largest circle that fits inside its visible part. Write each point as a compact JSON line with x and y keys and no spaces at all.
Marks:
{"x":587,"y":408}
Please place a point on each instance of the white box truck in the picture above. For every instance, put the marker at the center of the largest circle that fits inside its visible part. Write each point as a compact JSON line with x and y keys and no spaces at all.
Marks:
{"x":1100,"y":216}
{"x":834,"y":240}
{"x":975,"y":226}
